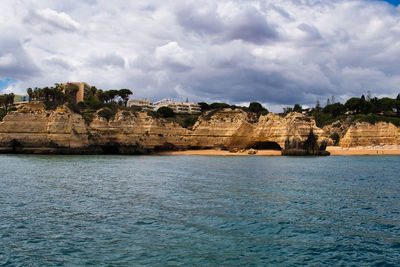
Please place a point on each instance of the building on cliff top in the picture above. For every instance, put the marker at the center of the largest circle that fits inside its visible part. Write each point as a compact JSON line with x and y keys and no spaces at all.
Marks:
{"x":144,"y":104}
{"x":80,"y":93}
{"x":21,"y":99}
{"x":178,"y":107}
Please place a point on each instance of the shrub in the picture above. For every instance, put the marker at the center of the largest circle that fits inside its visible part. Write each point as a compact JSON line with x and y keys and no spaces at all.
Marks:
{"x":204,"y":106}
{"x":106,"y":113}
{"x":373,"y":118}
{"x":135,"y":108}
{"x":335,"y":109}
{"x":153,"y":114}
{"x":88,"y":116}
{"x":219,"y":105}
{"x":3,"y":113}
{"x":126,"y":113}
{"x":336,"y":138}
{"x":263,"y":112}
{"x":165,"y":112}
{"x":74,"y":107}
{"x":189,"y":122}
{"x":255,"y":107}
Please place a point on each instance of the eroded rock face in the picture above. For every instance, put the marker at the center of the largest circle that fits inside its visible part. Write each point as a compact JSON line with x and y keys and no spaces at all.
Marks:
{"x":35,"y":130}
{"x":365,"y":134}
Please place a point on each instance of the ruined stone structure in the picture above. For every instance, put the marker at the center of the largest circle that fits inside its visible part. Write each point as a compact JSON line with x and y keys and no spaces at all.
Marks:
{"x":81,"y":90}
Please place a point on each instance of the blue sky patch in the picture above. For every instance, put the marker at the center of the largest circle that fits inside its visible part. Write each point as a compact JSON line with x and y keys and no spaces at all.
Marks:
{"x":6,"y":82}
{"x":393,"y":2}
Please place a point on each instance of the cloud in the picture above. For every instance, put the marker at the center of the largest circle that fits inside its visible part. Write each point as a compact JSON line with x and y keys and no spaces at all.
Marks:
{"x":51,"y":20}
{"x":250,"y":26}
{"x":246,"y":24}
{"x":200,"y":19}
{"x":59,"y":63}
{"x":14,"y":60}
{"x":173,"y":57}
{"x":275,"y":52}
{"x":108,"y":60}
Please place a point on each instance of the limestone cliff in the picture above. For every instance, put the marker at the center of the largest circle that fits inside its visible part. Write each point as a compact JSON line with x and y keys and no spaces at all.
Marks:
{"x":35,"y":130}
{"x":363,"y":134}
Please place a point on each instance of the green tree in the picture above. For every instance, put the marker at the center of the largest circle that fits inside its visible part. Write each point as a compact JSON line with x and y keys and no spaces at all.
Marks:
{"x":287,"y":110}
{"x":353,"y":104}
{"x":387,"y":104}
{"x":204,"y":106}
{"x":217,"y":105}
{"x":336,"y":109}
{"x":110,"y":95}
{"x":165,"y":112}
{"x":298,"y":108}
{"x":398,"y":104}
{"x":124,"y":94}
{"x":255,"y":107}
{"x":30,"y":93}
{"x":106,"y":113}
{"x":336,"y":138}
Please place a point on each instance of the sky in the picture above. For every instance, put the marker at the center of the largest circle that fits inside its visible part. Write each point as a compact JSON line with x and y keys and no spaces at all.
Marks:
{"x":237,"y":51}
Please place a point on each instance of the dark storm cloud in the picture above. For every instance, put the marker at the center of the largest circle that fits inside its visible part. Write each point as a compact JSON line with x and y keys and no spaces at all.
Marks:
{"x":248,"y":25}
{"x":276,"y":52}
{"x":243,"y":85}
{"x":251,"y":26}
{"x":14,"y":61}
{"x":205,"y":22}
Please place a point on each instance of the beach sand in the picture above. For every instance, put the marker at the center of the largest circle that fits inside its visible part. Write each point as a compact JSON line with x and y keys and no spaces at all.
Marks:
{"x":364,"y":150}
{"x":212,"y":152}
{"x":334,"y":150}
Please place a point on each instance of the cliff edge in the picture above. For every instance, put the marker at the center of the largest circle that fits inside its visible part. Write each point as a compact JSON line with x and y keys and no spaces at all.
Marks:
{"x":32,"y":129}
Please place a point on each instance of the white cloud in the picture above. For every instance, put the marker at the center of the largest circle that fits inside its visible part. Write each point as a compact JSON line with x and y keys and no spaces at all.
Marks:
{"x":173,"y":56}
{"x":7,"y":60}
{"x":276,"y":52}
{"x":51,"y":20}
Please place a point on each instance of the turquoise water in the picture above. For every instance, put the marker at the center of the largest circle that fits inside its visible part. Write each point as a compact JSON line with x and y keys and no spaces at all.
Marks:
{"x":204,"y":211}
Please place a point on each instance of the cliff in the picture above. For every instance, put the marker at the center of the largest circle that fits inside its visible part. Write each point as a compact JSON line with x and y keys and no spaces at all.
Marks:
{"x":32,"y":129}
{"x":363,"y":133}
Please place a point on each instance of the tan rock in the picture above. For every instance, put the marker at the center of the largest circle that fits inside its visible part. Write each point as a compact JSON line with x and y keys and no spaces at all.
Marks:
{"x":33,"y":129}
{"x":366,"y":134}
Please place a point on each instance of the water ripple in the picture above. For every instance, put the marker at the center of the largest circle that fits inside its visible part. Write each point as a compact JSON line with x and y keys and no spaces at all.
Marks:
{"x":193,"y":210}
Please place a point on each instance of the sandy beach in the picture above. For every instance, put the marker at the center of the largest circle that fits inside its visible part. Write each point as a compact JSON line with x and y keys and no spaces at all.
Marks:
{"x":212,"y":152}
{"x":364,"y":150}
{"x":334,"y":150}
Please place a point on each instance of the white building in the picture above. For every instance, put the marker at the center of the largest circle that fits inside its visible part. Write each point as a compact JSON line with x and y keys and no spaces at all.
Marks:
{"x":144,"y":104}
{"x":178,"y":107}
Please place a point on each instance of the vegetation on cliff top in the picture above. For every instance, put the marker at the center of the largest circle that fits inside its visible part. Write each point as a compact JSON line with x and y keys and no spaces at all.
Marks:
{"x":6,"y":102}
{"x":107,"y":103}
{"x":370,"y":109}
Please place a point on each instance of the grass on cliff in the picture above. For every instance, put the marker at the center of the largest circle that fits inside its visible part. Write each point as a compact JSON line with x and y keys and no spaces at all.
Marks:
{"x":3,"y":113}
{"x":374,"y":118}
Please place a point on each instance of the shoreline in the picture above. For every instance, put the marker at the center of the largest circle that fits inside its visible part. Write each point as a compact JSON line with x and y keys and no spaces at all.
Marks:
{"x":334,"y":150}
{"x":215,"y":152}
{"x":364,"y":150}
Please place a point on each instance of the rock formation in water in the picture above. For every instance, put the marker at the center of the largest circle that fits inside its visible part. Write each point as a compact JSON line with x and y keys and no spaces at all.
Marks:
{"x":32,"y":129}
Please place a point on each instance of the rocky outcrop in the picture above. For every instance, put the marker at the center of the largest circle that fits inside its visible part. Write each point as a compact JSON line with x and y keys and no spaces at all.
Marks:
{"x":353,"y":134}
{"x":35,"y":130}
{"x":366,"y":134}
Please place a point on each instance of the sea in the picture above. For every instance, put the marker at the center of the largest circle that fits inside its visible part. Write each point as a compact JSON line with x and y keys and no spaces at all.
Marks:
{"x":111,"y":210}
